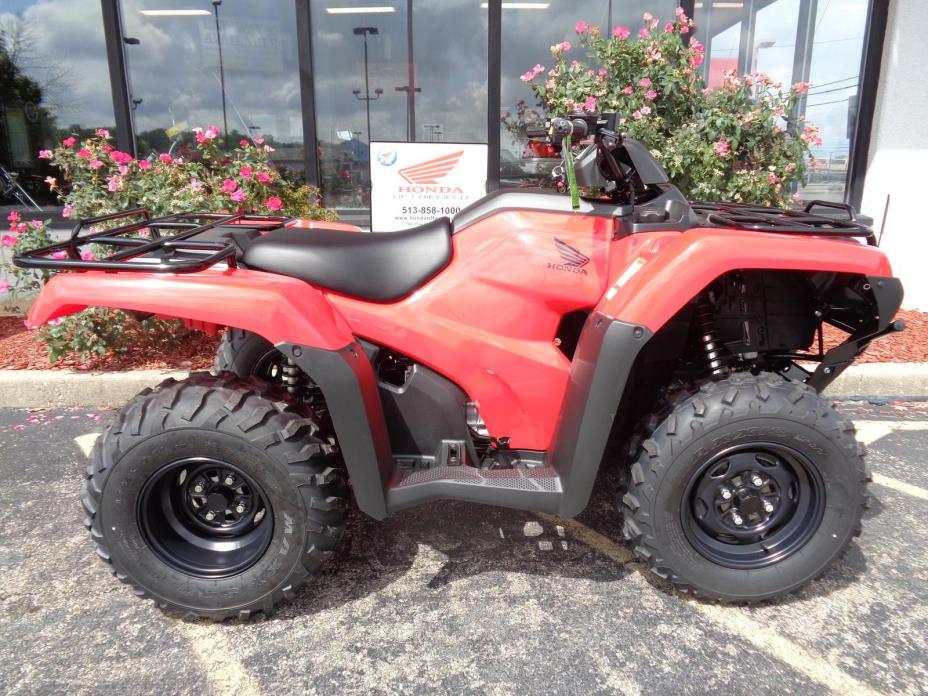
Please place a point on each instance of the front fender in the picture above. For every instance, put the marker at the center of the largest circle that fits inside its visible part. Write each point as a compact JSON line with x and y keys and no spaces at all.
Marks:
{"x":281,"y":309}
{"x":655,"y":286}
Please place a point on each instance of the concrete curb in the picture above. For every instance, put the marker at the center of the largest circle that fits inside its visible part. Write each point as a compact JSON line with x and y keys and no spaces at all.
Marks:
{"x":56,"y":388}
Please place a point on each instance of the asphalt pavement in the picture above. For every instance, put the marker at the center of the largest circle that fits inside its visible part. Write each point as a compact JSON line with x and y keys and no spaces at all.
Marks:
{"x":460,"y":598}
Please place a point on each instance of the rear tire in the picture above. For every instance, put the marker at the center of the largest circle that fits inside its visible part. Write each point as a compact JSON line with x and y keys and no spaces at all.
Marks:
{"x":746,"y":489}
{"x":213,"y":496}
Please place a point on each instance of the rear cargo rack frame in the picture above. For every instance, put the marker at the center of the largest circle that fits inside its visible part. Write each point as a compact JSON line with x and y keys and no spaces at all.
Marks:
{"x":164,"y":247}
{"x":761,"y":219}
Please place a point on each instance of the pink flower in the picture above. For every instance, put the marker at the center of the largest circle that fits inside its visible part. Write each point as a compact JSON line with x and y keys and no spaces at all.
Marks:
{"x":194,"y":185}
{"x":243,"y":143}
{"x":45,"y":154}
{"x":650,"y":94}
{"x":721,"y":148}
{"x":628,"y":89}
{"x":84,"y":153}
{"x":13,"y":217}
{"x":69,"y":141}
{"x":52,"y":182}
{"x":645,"y":110}
{"x":103,"y":133}
{"x":245,"y":172}
{"x":696,"y":60}
{"x":589,"y":104}
{"x":199,"y":136}
{"x":66,"y":211}
{"x":772,"y":178}
{"x":165,"y":157}
{"x":144,"y":164}
{"x":36,"y":224}
{"x":238,"y":195}
{"x":60,"y":255}
{"x":561,"y":47}
{"x":643,"y":33}
{"x":621,"y":33}
{"x":258,"y":140}
{"x":5,"y":286}
{"x":120,"y":157}
{"x":95,"y":164}
{"x":668,"y":28}
{"x":549,"y":84}
{"x":263,"y":178}
{"x":114,"y":183}
{"x":268,"y":148}
{"x":680,"y":13}
{"x":211,"y":132}
{"x":581,"y":27}
{"x":684,"y":29}
{"x":7,"y":240}
{"x":88,"y":256}
{"x":229,"y":185}
{"x":801,"y":87}
{"x":644,"y":82}
{"x":123,"y":169}
{"x":273,"y":203}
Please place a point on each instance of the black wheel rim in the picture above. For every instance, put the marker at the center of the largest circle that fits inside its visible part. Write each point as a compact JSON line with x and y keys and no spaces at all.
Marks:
{"x":753,"y":505}
{"x":205,"y":517}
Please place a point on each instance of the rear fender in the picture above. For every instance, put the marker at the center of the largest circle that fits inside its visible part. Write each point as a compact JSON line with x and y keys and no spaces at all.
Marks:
{"x":281,"y":309}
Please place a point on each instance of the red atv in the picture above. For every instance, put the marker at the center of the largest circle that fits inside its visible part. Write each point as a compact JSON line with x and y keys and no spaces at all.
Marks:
{"x":492,"y":358}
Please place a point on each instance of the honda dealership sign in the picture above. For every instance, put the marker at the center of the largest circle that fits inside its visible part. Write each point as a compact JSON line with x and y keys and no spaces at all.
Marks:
{"x":414,"y":183}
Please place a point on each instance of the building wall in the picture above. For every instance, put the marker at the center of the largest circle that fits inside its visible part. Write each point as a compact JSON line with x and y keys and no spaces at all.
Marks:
{"x":899,"y":149}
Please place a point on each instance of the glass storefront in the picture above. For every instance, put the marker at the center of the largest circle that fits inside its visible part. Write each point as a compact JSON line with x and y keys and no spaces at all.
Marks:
{"x":53,"y":82}
{"x":816,"y":41}
{"x":400,"y":70}
{"x":177,"y":73}
{"x":528,"y":32}
{"x":365,"y":58}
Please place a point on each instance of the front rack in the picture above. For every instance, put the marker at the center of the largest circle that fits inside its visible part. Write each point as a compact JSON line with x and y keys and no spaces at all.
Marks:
{"x":760,"y":219}
{"x":159,"y":252}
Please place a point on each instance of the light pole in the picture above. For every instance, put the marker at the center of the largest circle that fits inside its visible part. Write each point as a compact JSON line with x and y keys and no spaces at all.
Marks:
{"x":367,"y":98}
{"x":410,"y":115}
{"x":222,"y":76}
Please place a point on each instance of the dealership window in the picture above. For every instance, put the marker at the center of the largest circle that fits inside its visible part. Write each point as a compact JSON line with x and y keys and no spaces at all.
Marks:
{"x":817,"y":41}
{"x":365,"y":57}
{"x":53,"y":82}
{"x":177,"y":73}
{"x":528,"y":30}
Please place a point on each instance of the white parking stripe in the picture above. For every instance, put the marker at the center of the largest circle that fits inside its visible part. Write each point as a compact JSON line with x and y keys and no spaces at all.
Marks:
{"x":224,"y":672}
{"x":735,"y":621}
{"x":900,"y":486}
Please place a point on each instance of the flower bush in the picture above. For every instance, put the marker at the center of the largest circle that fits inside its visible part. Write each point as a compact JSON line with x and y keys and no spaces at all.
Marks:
{"x":99,"y":179}
{"x":741,"y":142}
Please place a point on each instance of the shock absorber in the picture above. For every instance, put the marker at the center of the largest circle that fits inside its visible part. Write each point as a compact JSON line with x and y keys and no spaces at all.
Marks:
{"x":714,"y":349}
{"x":293,"y":378}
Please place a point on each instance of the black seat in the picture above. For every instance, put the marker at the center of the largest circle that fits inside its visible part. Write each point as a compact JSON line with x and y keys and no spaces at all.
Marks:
{"x":381,"y":267}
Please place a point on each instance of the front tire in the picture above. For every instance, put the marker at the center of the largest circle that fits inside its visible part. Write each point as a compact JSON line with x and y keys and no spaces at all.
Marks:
{"x":746,"y":490}
{"x":213,"y":496}
{"x":247,"y":354}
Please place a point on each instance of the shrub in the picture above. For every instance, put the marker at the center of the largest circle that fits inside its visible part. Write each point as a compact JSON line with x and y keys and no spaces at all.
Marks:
{"x":99,"y":179}
{"x":742,"y":141}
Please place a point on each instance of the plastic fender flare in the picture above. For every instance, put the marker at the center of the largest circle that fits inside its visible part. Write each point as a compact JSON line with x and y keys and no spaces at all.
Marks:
{"x":281,"y":309}
{"x":683,"y":266}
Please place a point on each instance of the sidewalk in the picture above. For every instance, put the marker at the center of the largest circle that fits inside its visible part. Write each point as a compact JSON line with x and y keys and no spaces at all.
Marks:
{"x":56,"y":388}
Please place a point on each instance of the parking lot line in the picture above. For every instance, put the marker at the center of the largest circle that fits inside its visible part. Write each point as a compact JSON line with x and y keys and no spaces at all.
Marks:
{"x":224,"y":672}
{"x":733,"y":620}
{"x":900,"y":486}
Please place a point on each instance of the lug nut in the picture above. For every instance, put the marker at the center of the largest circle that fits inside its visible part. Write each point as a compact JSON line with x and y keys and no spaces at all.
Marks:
{"x":229,"y":481}
{"x":198,"y":488}
{"x":757,"y":480}
{"x":768,"y":507}
{"x":725,"y":493}
{"x":210,"y":515}
{"x":240,"y":509}
{"x":736,"y":518}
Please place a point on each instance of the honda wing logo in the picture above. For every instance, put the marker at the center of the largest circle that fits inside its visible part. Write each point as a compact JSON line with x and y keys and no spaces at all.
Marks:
{"x":432,"y":171}
{"x":573,"y":260}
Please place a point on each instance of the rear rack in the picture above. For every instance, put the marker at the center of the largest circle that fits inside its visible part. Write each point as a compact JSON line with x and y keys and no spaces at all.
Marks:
{"x":760,"y":219}
{"x":160,"y":253}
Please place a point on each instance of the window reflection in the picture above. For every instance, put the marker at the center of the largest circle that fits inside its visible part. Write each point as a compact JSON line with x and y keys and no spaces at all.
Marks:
{"x":527,"y":35}
{"x":176,"y":77}
{"x":817,"y":41}
{"x":448,"y":73}
{"x":53,"y":82}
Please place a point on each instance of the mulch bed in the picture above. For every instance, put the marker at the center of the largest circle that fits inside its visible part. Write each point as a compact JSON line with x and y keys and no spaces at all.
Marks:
{"x":20,"y":351}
